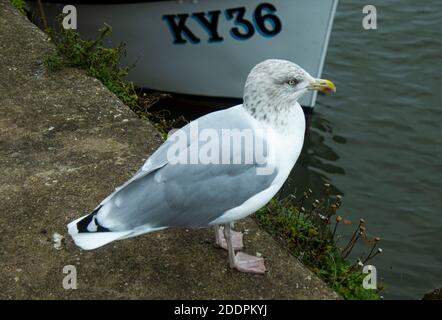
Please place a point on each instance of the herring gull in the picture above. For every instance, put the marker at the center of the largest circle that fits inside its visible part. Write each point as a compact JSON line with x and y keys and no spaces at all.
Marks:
{"x":185,"y":183}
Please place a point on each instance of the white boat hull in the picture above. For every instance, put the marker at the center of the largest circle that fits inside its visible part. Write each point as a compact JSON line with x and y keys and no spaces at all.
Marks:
{"x":204,"y":47}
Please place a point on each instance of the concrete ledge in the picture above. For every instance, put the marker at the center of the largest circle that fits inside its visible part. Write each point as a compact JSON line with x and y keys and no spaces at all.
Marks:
{"x":65,"y":143}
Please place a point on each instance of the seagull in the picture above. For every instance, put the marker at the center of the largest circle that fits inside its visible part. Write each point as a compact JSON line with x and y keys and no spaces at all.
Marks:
{"x":209,"y":173}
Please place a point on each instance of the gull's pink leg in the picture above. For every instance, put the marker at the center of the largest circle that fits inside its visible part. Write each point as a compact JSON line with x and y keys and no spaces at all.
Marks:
{"x":220,"y":239}
{"x":217,"y":237}
{"x":241,"y":261}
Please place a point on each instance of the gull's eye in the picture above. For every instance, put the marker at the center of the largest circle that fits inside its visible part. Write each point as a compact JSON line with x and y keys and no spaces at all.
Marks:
{"x":293,"y":82}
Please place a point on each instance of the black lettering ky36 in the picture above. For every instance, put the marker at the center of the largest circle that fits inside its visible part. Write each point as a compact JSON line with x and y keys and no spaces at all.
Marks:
{"x":264,"y":21}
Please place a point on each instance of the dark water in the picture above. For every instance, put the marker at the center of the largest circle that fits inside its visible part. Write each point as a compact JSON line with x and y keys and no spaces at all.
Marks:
{"x":378,"y":140}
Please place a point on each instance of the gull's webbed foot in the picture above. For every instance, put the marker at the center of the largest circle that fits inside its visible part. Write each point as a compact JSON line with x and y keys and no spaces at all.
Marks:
{"x":247,"y":263}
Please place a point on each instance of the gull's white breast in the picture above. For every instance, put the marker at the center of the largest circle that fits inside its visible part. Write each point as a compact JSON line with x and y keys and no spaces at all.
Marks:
{"x":284,"y":149}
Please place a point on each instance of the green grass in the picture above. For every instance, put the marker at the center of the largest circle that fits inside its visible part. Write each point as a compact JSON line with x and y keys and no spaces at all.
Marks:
{"x":309,"y":237}
{"x":19,"y":5}
{"x":100,"y":62}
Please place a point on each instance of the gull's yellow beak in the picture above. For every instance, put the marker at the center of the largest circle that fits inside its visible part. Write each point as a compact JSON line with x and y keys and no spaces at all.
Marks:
{"x":322,"y":85}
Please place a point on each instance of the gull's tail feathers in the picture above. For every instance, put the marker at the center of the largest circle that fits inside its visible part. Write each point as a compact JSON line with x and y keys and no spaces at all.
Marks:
{"x":88,"y":234}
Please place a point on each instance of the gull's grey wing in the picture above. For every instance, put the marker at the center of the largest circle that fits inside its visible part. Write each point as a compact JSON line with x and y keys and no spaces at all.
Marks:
{"x":232,"y":118}
{"x":182,"y":195}
{"x":164,"y":194}
{"x":159,"y":158}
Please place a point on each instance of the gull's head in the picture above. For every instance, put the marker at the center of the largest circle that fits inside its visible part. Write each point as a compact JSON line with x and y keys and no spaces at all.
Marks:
{"x":275,"y":85}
